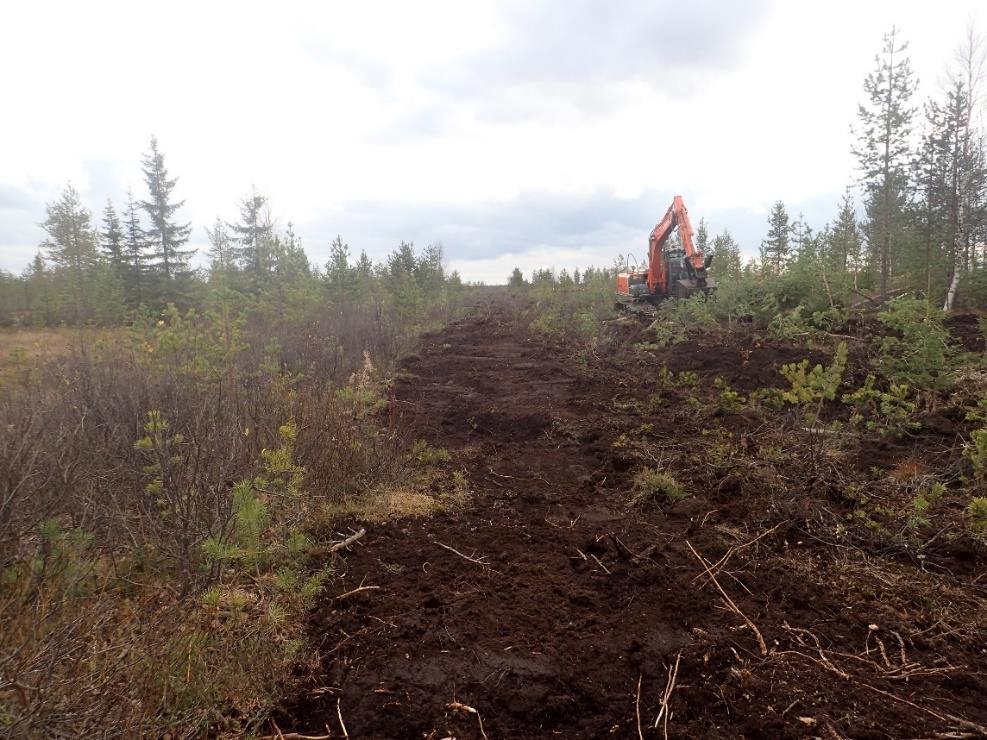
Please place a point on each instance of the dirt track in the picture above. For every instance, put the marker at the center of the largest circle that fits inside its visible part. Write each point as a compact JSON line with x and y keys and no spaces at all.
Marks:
{"x":580,"y":597}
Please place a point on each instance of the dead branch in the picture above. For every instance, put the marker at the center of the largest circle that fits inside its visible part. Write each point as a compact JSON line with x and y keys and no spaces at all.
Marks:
{"x":339,"y":713}
{"x":981,"y":729}
{"x":729,"y":602}
{"x":460,"y":707}
{"x":665,"y":712}
{"x":605,"y":569}
{"x":721,"y":563}
{"x":482,"y":560}
{"x":637,"y":707}
{"x":358,"y":590}
{"x":292,"y":735}
{"x":348,"y":541}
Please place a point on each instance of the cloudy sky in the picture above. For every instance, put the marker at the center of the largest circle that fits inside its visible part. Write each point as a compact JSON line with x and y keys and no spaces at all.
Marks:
{"x":533,"y":133}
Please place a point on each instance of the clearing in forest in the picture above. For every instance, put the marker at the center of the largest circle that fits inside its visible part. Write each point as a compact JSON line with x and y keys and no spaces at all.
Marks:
{"x":640,"y":557}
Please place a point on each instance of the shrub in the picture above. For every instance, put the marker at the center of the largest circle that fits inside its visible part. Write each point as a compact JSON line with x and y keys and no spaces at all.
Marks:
{"x":976,"y":451}
{"x":884,"y":411}
{"x":976,"y":512}
{"x":651,"y":484}
{"x":816,"y":385}
{"x":922,"y":357}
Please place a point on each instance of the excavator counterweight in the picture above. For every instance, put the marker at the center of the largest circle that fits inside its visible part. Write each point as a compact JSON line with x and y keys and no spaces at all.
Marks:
{"x":671,"y":273}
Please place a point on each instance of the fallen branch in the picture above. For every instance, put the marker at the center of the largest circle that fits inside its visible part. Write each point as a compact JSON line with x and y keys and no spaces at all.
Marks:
{"x":339,"y":713}
{"x":666,"y":713}
{"x":719,"y":564}
{"x":981,"y":729}
{"x":358,"y":590}
{"x":729,"y":602}
{"x":482,"y":560}
{"x":348,"y":541}
{"x":459,"y":707}
{"x":293,"y":735}
{"x":637,"y":707}
{"x":605,"y":568}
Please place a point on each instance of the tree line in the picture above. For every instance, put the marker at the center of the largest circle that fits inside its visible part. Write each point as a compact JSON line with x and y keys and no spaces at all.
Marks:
{"x":922,"y":181}
{"x":137,"y":259}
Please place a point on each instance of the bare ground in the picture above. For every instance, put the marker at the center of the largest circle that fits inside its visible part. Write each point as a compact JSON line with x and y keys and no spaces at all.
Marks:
{"x":554,"y":605}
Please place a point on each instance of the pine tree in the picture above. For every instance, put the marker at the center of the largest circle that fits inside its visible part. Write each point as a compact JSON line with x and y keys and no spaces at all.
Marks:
{"x":844,"y":243}
{"x":165,"y":238}
{"x":253,"y":235}
{"x":135,"y":253}
{"x":726,"y":257}
{"x":340,"y":277}
{"x":71,"y":245}
{"x":882,"y":150}
{"x":775,"y":247}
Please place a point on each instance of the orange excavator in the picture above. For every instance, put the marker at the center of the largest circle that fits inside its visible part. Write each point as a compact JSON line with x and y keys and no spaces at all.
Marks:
{"x":672,"y":272}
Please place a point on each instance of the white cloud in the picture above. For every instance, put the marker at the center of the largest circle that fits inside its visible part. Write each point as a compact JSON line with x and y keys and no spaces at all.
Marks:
{"x":454,"y":107}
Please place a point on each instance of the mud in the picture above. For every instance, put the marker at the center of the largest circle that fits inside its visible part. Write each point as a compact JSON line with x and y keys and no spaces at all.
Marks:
{"x":582,"y":601}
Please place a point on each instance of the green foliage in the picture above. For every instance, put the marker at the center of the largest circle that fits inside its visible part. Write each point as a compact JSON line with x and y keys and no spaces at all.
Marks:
{"x":426,"y":456}
{"x":922,"y":502}
{"x":976,"y":513}
{"x":816,"y":385}
{"x":884,"y":411}
{"x":976,"y":452}
{"x":922,"y":357}
{"x":678,"y":316}
{"x":652,"y":484}
{"x":731,"y":402}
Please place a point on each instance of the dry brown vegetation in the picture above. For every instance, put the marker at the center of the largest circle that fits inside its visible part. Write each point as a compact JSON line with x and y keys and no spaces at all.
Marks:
{"x":161,"y":491}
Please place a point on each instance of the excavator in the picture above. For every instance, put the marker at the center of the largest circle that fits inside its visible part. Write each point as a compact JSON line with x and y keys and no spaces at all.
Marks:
{"x":672,"y":272}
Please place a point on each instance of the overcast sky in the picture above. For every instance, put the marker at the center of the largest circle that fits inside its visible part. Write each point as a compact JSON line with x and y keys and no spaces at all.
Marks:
{"x":527,"y":133}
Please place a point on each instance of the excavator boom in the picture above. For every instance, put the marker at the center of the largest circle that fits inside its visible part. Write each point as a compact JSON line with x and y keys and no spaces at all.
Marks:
{"x":679,"y":273}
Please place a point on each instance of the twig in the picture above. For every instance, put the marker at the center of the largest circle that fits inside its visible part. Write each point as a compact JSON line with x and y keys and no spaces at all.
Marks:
{"x":606,"y":570}
{"x":292,"y":735}
{"x":348,"y":541}
{"x":459,"y":707}
{"x":339,"y":713}
{"x":637,"y":707}
{"x":673,"y":674}
{"x":482,"y":560}
{"x":943,"y":718}
{"x":719,"y":564}
{"x":357,"y":590}
{"x":729,"y":602}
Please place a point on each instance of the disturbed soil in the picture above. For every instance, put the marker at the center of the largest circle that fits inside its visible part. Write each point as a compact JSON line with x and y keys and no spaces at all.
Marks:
{"x":557,"y":602}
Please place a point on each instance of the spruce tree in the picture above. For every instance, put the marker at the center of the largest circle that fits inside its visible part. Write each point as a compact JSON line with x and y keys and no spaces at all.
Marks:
{"x":252,"y":236}
{"x":775,"y":247}
{"x":135,"y":253}
{"x":111,"y":238}
{"x":882,"y":150}
{"x":165,"y":237}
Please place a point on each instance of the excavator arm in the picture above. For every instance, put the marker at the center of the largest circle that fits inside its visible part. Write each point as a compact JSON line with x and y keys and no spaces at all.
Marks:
{"x":670,"y":274}
{"x":676,"y":216}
